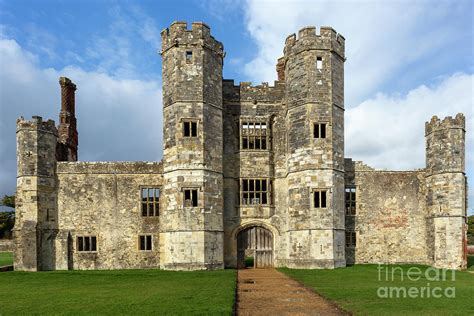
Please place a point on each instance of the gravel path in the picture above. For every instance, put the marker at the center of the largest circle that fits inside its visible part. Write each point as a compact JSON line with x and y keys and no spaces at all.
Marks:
{"x":267,"y":291}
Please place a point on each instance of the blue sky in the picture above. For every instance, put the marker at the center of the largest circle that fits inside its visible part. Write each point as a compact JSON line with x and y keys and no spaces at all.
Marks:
{"x":406,"y":61}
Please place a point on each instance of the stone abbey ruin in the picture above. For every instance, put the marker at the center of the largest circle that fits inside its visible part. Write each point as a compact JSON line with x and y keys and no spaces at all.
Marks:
{"x":247,"y":171}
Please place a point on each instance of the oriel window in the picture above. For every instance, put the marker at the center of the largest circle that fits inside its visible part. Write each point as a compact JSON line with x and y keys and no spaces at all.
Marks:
{"x":254,"y":135}
{"x":255,"y":191}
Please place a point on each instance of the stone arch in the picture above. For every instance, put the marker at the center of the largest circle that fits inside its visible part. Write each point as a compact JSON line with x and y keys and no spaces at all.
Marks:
{"x":254,"y":223}
{"x":254,"y":240}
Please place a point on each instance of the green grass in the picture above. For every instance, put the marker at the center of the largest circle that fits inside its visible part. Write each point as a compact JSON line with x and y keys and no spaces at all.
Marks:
{"x":117,"y":292}
{"x":355,"y":289}
{"x":6,"y":258}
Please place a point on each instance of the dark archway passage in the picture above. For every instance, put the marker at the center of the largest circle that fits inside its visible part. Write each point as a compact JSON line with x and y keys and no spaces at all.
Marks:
{"x":255,"y":243}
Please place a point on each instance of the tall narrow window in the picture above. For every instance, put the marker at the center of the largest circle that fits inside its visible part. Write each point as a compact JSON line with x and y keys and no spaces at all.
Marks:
{"x":320,"y":199}
{"x":350,"y":201}
{"x":189,"y":57}
{"x":319,"y":63}
{"x":255,"y":191}
{"x":189,"y":128}
{"x":190,"y":197}
{"x":319,"y":130}
{"x":150,"y":201}
{"x":350,"y":239}
{"x":86,"y":243}
{"x":145,"y":242}
{"x":254,"y":135}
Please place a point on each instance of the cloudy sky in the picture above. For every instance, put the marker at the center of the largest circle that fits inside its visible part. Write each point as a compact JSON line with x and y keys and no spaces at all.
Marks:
{"x":406,"y":61}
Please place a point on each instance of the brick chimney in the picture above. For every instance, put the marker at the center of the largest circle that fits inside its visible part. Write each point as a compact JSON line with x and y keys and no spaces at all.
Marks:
{"x":280,"y":68}
{"x":67,"y":130}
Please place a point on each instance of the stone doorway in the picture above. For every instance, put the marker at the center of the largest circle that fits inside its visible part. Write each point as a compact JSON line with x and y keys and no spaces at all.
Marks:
{"x":255,"y":248}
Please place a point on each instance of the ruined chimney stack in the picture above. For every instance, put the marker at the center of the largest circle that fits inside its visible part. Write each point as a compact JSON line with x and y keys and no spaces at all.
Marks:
{"x":68,"y":93}
{"x":67,"y":130}
{"x":280,"y":68}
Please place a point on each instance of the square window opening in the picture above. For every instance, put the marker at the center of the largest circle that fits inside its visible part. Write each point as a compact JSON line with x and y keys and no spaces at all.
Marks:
{"x":191,"y":198}
{"x":319,"y":63}
{"x":189,"y":57}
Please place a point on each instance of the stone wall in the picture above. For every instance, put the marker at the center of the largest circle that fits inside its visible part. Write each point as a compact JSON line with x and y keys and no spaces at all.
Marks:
{"x":7,"y":245}
{"x":390,"y":221}
{"x":103,"y":199}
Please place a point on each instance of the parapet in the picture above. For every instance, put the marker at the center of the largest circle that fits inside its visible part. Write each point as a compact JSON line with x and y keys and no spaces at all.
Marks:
{"x":36,"y":123}
{"x":459,"y":122}
{"x":328,"y":39}
{"x":112,"y":167}
{"x":199,"y":35}
{"x":244,"y":91}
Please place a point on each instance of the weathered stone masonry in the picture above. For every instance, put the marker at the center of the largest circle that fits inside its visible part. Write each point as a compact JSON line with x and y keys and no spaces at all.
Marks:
{"x":236,"y":157}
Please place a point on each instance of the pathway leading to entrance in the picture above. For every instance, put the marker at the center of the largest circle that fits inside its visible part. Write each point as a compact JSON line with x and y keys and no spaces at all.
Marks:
{"x":267,"y":291}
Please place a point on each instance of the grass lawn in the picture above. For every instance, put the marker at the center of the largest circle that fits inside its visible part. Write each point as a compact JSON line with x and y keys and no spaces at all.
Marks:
{"x":117,"y":292}
{"x":356,"y":289}
{"x":6,"y":258}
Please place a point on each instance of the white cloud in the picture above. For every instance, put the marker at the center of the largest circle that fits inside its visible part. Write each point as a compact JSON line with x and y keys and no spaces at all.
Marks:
{"x":381,"y":37}
{"x":118,"y":119}
{"x":128,"y":44}
{"x":387,"y":131}
{"x":388,"y":44}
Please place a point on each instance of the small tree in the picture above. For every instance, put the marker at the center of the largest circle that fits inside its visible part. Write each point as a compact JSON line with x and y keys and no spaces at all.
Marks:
{"x":7,"y":219}
{"x":470,"y":230}
{"x":8,"y":200}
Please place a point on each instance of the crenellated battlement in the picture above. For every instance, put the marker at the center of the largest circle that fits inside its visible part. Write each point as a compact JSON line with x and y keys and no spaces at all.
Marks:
{"x":327,"y":39}
{"x":459,"y":121}
{"x":178,"y":34}
{"x":245,"y":91}
{"x":36,"y":123}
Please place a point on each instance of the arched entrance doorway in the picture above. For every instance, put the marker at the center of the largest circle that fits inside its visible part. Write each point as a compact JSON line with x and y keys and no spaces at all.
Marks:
{"x":255,"y":248}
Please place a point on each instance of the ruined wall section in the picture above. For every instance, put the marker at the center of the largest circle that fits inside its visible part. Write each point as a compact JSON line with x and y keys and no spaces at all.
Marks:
{"x":261,"y":103}
{"x":36,"y":213}
{"x":446,"y":191}
{"x":192,"y":236}
{"x":314,"y":95}
{"x":390,"y":221}
{"x":103,"y":199}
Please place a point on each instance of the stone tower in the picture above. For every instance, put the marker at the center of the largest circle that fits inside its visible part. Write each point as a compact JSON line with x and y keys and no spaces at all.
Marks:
{"x":35,"y":225}
{"x":446,"y":190}
{"x":191,"y":235}
{"x":314,"y":75}
{"x":67,"y":130}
